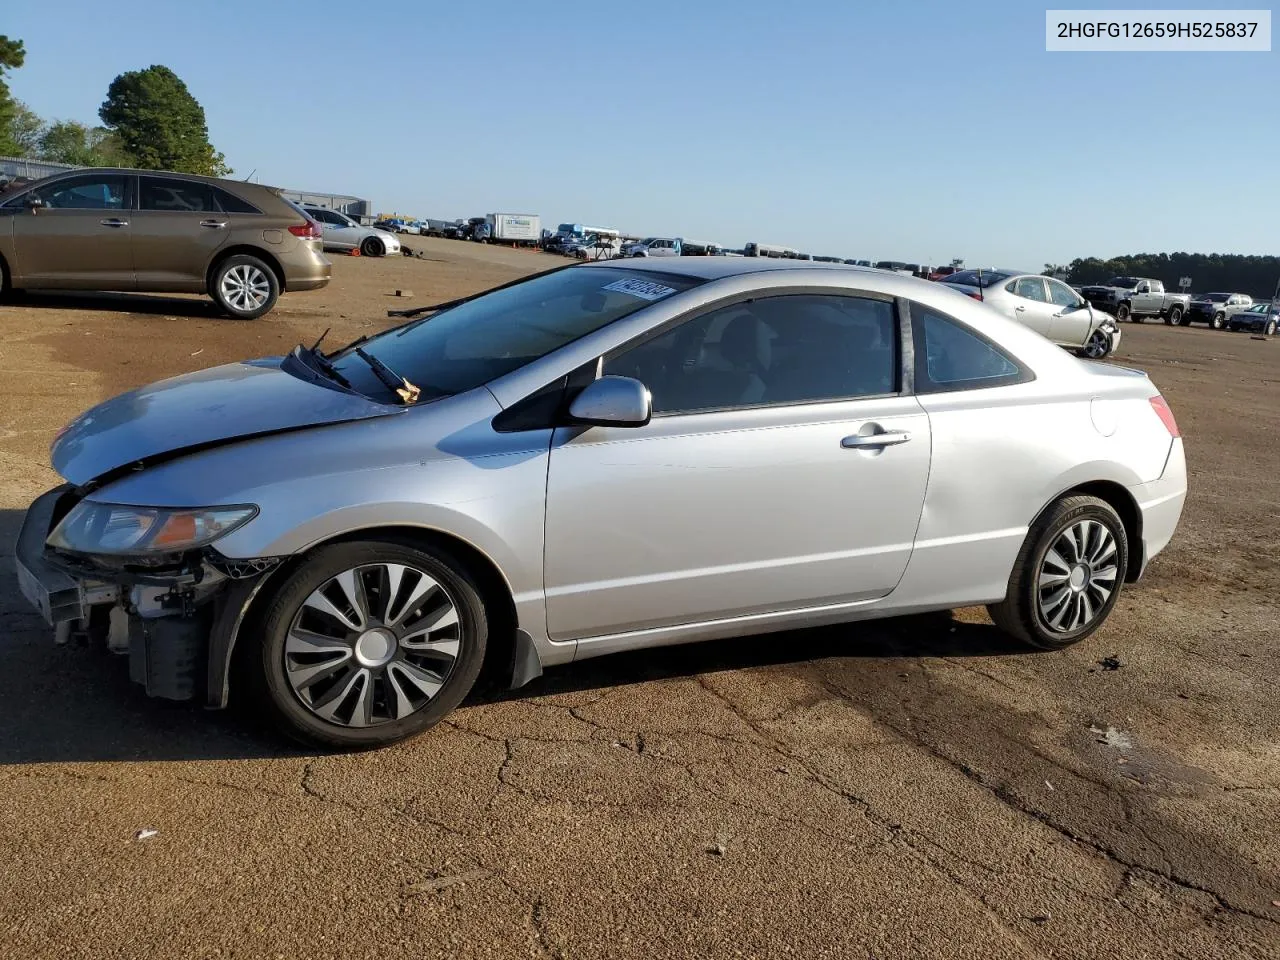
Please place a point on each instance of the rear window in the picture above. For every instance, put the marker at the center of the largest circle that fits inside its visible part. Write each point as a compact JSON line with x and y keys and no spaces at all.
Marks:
{"x":970,"y":278}
{"x":501,"y":331}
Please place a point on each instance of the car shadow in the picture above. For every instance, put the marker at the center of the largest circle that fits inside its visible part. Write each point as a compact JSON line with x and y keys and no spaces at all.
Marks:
{"x":75,"y":703}
{"x":141,"y":303}
{"x":890,"y":642}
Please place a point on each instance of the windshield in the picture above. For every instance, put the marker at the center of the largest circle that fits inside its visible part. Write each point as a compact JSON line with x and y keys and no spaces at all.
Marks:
{"x":1217,"y":297}
{"x":478,"y":341}
{"x":970,"y":278}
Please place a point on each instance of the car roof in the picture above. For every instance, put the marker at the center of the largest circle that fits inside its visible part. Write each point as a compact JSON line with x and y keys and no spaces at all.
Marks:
{"x":714,"y":268}
{"x":131,"y":171}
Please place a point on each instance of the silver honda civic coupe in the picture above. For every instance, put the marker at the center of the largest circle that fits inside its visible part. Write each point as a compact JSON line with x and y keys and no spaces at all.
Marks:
{"x":595,"y":459}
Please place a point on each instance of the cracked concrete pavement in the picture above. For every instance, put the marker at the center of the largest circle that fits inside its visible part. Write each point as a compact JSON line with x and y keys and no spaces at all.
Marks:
{"x":912,"y":788}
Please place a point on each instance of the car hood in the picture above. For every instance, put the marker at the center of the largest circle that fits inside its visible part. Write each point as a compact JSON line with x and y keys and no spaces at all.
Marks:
{"x":199,"y":410}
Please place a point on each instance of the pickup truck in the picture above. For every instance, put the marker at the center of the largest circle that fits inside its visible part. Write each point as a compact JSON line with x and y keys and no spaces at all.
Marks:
{"x":1136,"y":298}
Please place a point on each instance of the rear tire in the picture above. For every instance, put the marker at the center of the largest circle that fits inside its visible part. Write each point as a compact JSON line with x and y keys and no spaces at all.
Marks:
{"x":364,"y":695}
{"x":1270,"y":329}
{"x":1174,"y":317}
{"x":373,"y":247}
{"x":1068,"y":574}
{"x":244,"y":287}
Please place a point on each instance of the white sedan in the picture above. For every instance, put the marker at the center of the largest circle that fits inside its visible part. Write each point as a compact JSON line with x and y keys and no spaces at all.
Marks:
{"x":343,"y":233}
{"x":1048,"y":306}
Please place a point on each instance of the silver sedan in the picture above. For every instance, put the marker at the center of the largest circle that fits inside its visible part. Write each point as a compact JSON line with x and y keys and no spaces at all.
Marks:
{"x":1048,"y":306}
{"x":603,"y":457}
{"x":343,"y":233}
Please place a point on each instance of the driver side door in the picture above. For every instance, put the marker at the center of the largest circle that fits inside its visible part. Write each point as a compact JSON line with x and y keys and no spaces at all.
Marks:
{"x":1073,"y":321}
{"x":784,"y":468}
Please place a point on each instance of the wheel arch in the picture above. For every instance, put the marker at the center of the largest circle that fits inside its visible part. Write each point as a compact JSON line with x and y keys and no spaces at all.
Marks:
{"x":246,"y":603}
{"x":249,"y":250}
{"x":1120,"y":500}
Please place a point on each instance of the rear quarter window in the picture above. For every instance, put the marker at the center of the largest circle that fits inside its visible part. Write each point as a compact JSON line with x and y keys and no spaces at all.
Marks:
{"x":228,"y":202}
{"x":950,"y":356}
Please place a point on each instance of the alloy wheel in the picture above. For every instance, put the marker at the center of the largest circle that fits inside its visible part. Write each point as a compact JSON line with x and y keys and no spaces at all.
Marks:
{"x":1077,"y":577}
{"x":372,"y":645}
{"x":245,"y":287}
{"x":1098,"y":345}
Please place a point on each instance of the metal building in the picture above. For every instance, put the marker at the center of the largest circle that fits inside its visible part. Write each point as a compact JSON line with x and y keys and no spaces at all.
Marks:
{"x":357,"y":208}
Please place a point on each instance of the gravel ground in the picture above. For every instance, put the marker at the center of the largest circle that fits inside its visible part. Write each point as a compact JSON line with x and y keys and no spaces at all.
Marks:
{"x":911,"y":788}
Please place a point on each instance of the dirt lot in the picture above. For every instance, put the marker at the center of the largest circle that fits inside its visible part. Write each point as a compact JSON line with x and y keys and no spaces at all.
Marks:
{"x":914,"y":788}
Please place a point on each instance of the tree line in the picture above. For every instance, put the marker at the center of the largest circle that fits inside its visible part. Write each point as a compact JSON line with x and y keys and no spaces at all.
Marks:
{"x":149,"y":120}
{"x":1227,"y":272}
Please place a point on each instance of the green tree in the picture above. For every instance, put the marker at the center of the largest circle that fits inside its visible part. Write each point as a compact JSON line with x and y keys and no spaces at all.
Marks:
{"x":12,"y":55}
{"x":66,"y":141}
{"x":160,"y":124}
{"x":26,"y":128}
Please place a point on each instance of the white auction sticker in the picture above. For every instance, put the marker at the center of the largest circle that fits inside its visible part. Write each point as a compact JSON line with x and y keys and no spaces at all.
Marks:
{"x":644,"y":289}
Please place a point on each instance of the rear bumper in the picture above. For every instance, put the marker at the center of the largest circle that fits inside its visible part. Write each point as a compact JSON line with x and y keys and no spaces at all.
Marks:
{"x":1160,"y":504}
{"x":308,"y":270}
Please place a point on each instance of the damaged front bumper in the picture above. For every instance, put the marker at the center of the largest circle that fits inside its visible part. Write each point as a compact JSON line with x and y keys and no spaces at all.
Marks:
{"x":177,"y":621}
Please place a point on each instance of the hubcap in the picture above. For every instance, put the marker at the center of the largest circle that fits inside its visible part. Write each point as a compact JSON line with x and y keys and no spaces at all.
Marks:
{"x":245,"y":287}
{"x":374,"y":644}
{"x":1097,"y":345}
{"x":1077,"y":577}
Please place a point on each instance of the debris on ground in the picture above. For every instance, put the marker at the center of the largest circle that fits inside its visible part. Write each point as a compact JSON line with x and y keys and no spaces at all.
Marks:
{"x":198,"y":352}
{"x":146,"y":833}
{"x":1111,"y":663}
{"x":436,"y":884}
{"x":1049,"y":785}
{"x":720,"y":846}
{"x":404,"y":293}
{"x":1041,"y":917}
{"x":1111,"y":737}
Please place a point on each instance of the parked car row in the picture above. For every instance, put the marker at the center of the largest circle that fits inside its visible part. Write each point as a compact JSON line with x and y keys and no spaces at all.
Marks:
{"x":1137,"y":298}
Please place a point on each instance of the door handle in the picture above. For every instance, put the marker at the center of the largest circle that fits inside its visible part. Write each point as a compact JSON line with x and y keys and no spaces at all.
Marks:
{"x":114,"y":222}
{"x":1059,"y":314}
{"x":213,"y":224}
{"x":1020,"y":309}
{"x":886,"y":439}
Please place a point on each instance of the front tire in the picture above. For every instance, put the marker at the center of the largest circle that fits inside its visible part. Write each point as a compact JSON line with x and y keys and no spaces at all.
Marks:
{"x":1097,"y":346}
{"x":244,"y":287}
{"x":1068,"y":574}
{"x":373,"y":247}
{"x":369,"y":643}
{"x":1270,"y":329}
{"x":1219,"y":319}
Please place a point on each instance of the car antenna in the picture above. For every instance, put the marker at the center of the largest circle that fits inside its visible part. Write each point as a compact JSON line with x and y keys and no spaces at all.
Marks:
{"x":980,"y":296}
{"x":250,"y":177}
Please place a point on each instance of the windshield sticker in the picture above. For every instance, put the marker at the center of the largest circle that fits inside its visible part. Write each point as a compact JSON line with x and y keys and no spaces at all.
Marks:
{"x":644,"y":289}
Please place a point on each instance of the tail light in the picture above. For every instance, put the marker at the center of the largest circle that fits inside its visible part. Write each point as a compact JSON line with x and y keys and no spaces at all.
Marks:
{"x":309,"y":230}
{"x":1162,"y":410}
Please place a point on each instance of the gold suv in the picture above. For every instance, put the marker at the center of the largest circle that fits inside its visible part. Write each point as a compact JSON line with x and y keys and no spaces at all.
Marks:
{"x":142,"y":230}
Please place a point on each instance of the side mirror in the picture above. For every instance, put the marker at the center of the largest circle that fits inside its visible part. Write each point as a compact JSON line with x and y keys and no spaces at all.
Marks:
{"x":612,"y":402}
{"x":34,"y":202}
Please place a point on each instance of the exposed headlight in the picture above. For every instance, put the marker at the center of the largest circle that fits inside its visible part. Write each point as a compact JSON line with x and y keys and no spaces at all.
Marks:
{"x":116,"y":529}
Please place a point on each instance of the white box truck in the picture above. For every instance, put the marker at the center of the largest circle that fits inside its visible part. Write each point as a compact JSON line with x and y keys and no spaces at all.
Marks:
{"x":521,"y":229}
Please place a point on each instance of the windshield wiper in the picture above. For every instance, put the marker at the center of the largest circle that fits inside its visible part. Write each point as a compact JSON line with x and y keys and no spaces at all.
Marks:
{"x":321,"y":362}
{"x":405,"y":390}
{"x":434,"y":308}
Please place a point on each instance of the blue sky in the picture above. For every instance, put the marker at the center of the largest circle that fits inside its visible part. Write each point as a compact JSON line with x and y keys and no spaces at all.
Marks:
{"x":914,"y":131}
